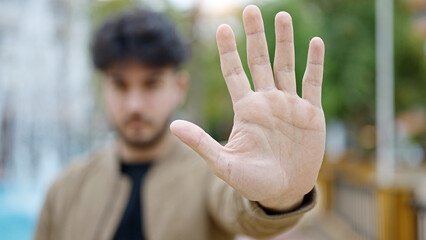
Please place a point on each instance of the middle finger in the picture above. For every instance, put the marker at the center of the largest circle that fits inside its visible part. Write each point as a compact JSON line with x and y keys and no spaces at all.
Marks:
{"x":257,"y":49}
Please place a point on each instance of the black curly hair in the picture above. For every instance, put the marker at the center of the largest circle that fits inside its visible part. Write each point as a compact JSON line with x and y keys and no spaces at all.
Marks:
{"x":142,"y":35}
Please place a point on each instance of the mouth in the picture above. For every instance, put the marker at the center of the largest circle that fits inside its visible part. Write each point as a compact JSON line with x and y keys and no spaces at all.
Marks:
{"x":136,"y":124}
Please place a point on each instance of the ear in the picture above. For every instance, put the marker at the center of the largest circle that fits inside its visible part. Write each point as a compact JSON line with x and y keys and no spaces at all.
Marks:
{"x":182,"y":83}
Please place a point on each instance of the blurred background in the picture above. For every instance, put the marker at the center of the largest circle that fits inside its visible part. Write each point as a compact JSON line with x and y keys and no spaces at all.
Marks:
{"x":373,"y":180}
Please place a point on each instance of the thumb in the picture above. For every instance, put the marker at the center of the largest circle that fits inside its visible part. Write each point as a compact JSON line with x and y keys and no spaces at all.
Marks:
{"x":198,"y":140}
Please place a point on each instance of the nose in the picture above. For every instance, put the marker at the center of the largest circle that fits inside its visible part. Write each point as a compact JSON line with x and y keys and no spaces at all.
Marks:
{"x":135,"y":101}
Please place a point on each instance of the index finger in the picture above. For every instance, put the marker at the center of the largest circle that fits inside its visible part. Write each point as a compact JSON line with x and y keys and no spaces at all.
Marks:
{"x":232,"y":69}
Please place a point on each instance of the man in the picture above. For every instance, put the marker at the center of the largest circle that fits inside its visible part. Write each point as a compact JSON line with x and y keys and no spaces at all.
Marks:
{"x":150,"y":185}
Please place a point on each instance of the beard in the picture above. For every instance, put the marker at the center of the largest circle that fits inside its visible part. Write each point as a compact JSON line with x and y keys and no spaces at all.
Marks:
{"x":137,"y":143}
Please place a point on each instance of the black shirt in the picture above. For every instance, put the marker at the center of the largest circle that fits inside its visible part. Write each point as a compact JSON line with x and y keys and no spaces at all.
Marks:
{"x":131,"y":225}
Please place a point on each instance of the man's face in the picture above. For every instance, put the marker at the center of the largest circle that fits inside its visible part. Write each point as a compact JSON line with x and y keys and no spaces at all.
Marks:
{"x":140,"y":101}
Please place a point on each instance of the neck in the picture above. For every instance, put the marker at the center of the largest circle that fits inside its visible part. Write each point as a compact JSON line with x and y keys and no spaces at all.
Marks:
{"x":130,"y":154}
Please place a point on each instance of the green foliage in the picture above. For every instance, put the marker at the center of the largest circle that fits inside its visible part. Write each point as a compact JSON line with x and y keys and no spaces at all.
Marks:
{"x":349,"y":74}
{"x":101,"y":10}
{"x":410,"y":63}
{"x":348,"y":30}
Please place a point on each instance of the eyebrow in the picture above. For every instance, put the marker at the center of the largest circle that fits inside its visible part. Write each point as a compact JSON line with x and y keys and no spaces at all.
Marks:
{"x":115,"y":75}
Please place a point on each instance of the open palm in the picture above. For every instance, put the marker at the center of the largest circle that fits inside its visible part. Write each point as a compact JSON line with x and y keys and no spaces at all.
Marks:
{"x":276,"y":146}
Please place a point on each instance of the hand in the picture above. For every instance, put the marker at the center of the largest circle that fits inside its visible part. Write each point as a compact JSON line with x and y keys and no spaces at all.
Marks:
{"x":277,"y":143}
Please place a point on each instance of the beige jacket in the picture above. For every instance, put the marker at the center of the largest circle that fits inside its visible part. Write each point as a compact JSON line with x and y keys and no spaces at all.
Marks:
{"x":182,"y":199}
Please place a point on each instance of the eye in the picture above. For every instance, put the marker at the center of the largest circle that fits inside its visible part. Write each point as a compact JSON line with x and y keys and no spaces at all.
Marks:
{"x":119,"y":84}
{"x":153,"y":83}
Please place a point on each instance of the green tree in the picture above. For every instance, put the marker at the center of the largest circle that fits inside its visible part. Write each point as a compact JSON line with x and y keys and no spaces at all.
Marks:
{"x":348,"y":30}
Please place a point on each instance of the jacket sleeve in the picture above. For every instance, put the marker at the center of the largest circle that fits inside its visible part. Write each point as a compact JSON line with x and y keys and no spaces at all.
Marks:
{"x":44,"y":226}
{"x":237,"y":215}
